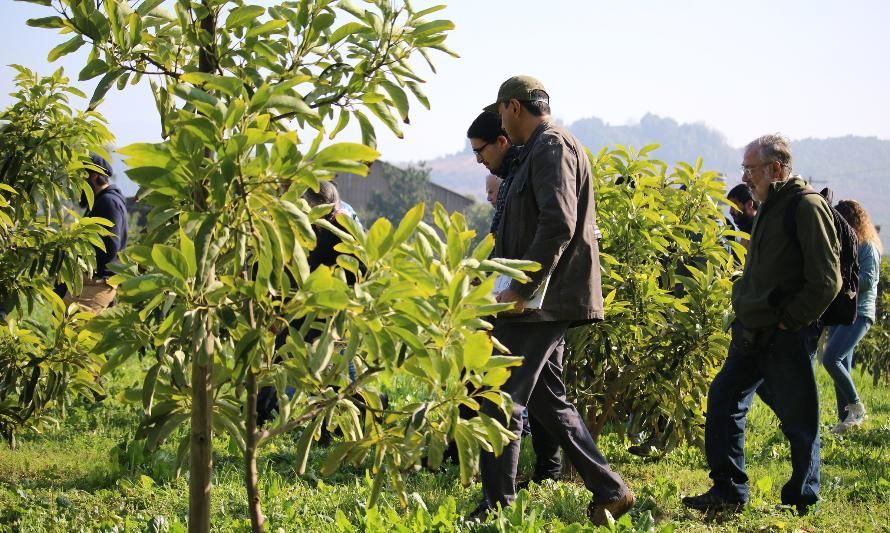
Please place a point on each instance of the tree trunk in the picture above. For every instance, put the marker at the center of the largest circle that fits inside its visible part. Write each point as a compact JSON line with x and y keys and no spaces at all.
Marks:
{"x":201,"y":438}
{"x":254,"y":504}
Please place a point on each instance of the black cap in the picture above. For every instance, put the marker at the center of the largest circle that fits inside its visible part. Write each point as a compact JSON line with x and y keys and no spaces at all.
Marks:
{"x":102,"y":163}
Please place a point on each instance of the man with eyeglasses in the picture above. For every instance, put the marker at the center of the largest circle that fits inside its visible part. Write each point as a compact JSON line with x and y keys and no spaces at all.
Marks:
{"x":494,"y":151}
{"x":549,"y":217}
{"x":787,"y":283}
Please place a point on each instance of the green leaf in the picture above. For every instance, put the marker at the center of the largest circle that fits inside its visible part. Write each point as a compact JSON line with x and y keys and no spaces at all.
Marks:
{"x":382,"y":112}
{"x":170,"y":260}
{"x":148,"y":388}
{"x":341,"y":123}
{"x":93,"y":69}
{"x":246,"y":348}
{"x":134,"y":34}
{"x":102,"y":88}
{"x":46,"y":22}
{"x":345,"y":30}
{"x":467,"y":452}
{"x":369,"y":138}
{"x":226,"y":84}
{"x":193,"y":94}
{"x":477,"y":350}
{"x":399,"y":98}
{"x":408,"y":224}
{"x":335,"y":457}
{"x":304,"y":444}
{"x":424,"y":12}
{"x":146,"y":6}
{"x":435,"y":26}
{"x":143,"y":287}
{"x":187,"y":247}
{"x":421,"y":97}
{"x":266,"y":27}
{"x":286,"y":102}
{"x":243,"y":16}
{"x":346,"y":151}
{"x":379,"y":239}
{"x":69,"y":46}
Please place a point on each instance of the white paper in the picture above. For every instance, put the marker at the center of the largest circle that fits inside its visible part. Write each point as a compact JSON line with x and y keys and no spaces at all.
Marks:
{"x":503,"y":282}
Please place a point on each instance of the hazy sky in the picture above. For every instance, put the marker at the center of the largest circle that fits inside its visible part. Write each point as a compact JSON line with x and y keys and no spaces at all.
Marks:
{"x":807,"y":68}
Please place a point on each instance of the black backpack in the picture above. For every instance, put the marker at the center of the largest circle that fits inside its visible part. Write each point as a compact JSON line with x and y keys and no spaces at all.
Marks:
{"x":842,"y":310}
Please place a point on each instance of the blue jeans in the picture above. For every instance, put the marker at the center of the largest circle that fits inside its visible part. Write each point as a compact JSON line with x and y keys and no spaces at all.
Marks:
{"x":781,"y":360}
{"x":838,"y":360}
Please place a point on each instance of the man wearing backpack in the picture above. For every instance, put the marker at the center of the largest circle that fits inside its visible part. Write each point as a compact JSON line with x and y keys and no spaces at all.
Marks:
{"x":790,"y":278}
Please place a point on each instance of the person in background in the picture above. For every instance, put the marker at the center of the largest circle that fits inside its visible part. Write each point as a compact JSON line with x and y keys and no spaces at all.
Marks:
{"x":108,"y":203}
{"x":492,"y":185}
{"x":322,"y":254}
{"x":744,"y":210}
{"x":842,"y":340}
{"x":349,"y":210}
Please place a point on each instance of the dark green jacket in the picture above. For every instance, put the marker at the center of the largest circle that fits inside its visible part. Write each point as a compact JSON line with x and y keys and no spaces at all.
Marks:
{"x":784,"y":281}
{"x":550,"y":217}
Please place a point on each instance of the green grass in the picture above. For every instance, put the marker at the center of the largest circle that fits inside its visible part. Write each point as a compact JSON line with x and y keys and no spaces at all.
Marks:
{"x":75,"y":478}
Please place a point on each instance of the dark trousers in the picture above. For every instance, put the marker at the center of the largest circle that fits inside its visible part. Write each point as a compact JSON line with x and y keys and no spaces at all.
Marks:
{"x":537,"y":384}
{"x":781,"y":360}
{"x":548,"y":463}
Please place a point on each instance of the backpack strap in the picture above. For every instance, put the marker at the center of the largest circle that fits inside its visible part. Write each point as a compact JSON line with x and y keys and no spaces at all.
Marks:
{"x":791,"y":215}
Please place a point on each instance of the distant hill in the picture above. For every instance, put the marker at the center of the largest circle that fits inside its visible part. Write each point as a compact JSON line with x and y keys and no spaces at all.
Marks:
{"x":854,"y":167}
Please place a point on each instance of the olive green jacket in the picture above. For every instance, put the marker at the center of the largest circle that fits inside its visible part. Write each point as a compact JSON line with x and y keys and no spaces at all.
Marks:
{"x":784,"y":281}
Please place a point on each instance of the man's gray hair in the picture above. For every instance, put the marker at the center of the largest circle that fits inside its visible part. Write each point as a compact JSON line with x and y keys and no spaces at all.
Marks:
{"x":773,"y":147}
{"x":327,"y":194}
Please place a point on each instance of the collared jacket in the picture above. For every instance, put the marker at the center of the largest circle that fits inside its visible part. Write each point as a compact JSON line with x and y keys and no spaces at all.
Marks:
{"x":550,"y":217}
{"x":786,"y":281}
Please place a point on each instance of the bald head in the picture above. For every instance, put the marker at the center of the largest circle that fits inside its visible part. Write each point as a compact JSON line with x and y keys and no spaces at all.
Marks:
{"x":492,"y":184}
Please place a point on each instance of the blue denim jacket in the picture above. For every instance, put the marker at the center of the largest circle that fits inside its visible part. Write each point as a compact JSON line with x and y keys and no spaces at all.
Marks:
{"x":869,"y":272}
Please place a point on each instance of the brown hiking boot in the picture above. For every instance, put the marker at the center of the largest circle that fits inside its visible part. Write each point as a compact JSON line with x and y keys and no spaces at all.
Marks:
{"x":597,"y":512}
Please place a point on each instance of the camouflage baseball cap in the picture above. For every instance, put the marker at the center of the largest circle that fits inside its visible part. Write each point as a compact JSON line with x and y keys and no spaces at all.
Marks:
{"x":517,"y":88}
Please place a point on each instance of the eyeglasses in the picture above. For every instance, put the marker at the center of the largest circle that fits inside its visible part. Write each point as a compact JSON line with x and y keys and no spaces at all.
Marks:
{"x":747,"y":170}
{"x":478,"y":151}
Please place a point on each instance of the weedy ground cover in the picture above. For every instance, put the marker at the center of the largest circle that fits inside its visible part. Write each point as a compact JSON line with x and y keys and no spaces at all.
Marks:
{"x":83,"y":477}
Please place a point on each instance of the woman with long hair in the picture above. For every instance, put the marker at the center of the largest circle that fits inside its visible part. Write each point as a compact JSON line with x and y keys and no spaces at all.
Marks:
{"x":842,"y":340}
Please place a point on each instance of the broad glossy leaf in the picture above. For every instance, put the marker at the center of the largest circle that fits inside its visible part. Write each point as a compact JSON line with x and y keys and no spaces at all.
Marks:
{"x":69,"y":46}
{"x":170,"y":260}
{"x":93,"y":69}
{"x":477,"y":349}
{"x":266,"y":27}
{"x":243,"y":16}
{"x":103,"y":86}
{"x":346,"y":151}
{"x":408,"y":225}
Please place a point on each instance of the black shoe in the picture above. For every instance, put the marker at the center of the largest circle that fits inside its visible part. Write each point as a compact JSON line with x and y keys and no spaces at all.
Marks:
{"x":536,"y":479}
{"x":801,"y":509}
{"x":481,"y":512}
{"x":711,"y":501}
{"x":641,"y":450}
